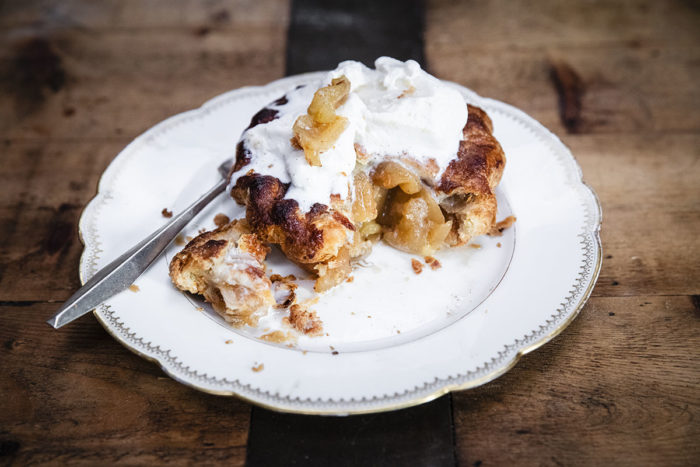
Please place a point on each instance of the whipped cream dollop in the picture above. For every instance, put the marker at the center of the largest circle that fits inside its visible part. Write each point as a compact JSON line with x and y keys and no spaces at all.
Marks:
{"x":394,"y":110}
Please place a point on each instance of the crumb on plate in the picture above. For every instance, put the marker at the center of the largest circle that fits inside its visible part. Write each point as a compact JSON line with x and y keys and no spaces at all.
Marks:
{"x":304,"y":320}
{"x":417,"y":266}
{"x":167,"y":214}
{"x":497,"y":230}
{"x":134,"y":288}
{"x":277,"y":337}
{"x":221,"y":219}
{"x":433,"y":262}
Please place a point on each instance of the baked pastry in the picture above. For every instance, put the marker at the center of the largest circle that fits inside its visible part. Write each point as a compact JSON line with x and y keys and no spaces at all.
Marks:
{"x":226,"y":267}
{"x":391,"y":153}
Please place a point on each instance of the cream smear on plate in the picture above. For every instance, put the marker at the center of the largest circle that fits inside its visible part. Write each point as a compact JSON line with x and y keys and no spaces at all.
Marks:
{"x":396,"y":109}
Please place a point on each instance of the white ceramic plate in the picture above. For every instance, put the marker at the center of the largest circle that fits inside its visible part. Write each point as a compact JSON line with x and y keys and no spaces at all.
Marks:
{"x":394,"y":338}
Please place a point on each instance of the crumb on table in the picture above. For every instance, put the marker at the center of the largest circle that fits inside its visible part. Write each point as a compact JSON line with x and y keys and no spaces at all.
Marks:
{"x":229,"y":341}
{"x":134,"y":288}
{"x":476,"y":246}
{"x":498,"y":244}
{"x":258,"y":368}
{"x":167,"y":214}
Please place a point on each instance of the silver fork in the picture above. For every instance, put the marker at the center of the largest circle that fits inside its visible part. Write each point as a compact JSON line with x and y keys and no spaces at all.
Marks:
{"x":123,"y":271}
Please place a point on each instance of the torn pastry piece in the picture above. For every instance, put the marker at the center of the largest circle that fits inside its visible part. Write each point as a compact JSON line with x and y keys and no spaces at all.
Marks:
{"x":365,"y":154}
{"x":226,"y":267}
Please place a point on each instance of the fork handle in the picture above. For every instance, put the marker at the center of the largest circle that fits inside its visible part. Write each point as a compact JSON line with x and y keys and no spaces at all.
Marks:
{"x":123,"y":271}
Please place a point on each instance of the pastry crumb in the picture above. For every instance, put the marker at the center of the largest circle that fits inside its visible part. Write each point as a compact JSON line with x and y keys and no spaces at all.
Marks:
{"x":335,"y":352}
{"x":305,"y":321}
{"x":221,"y":219}
{"x":417,"y":267}
{"x":228,"y":341}
{"x":199,"y":308}
{"x":284,"y":279}
{"x":498,"y":244}
{"x":277,"y":337}
{"x":407,"y":92}
{"x":286,"y":282}
{"x":167,"y":214}
{"x":134,"y":288}
{"x":350,"y":279}
{"x":476,"y":246}
{"x":258,"y":368}
{"x":497,"y":230}
{"x":433,"y":262}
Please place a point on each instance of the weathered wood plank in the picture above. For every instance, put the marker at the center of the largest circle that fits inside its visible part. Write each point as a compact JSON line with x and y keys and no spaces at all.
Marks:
{"x":503,"y":25}
{"x":143,"y":14}
{"x":619,"y":386}
{"x":648,"y":187}
{"x":45,"y":189}
{"x":78,"y":396}
{"x":72,"y":84}
{"x":639,"y":78}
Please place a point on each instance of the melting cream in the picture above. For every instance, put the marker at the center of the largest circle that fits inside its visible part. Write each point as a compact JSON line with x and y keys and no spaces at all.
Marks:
{"x":397,"y":109}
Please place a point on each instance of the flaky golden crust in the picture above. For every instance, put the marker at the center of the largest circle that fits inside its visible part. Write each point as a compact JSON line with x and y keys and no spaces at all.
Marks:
{"x":235,"y":285}
{"x":306,"y":238}
{"x":480,"y":160}
{"x":470,"y":180}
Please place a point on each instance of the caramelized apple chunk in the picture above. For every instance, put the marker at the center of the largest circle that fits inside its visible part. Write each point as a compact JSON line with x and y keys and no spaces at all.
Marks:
{"x":317,"y":130}
{"x":368,"y":199}
{"x":329,"y":98}
{"x":391,"y":174}
{"x":412,"y":219}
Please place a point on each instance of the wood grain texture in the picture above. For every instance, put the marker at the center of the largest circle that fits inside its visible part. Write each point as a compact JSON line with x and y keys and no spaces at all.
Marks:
{"x":618,"y":387}
{"x":69,"y":78}
{"x":77,"y":396}
{"x":637,"y":61}
{"x":78,"y":81}
{"x":616,"y":81}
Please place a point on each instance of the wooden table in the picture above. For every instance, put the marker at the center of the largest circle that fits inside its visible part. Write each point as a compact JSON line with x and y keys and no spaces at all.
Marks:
{"x":618,"y":82}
